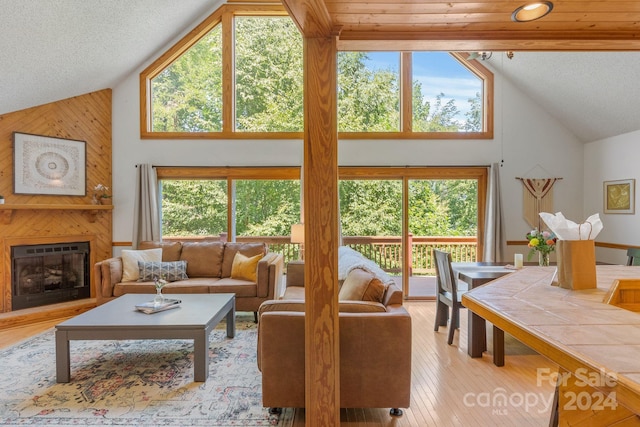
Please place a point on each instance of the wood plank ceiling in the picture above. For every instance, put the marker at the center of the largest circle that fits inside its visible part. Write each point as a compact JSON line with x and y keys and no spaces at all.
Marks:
{"x":467,"y":25}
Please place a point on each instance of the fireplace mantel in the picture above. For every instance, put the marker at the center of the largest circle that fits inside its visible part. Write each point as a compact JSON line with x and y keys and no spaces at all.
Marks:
{"x":91,"y":211}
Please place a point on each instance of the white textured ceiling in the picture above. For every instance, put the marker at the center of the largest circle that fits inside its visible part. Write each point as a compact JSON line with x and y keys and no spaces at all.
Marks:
{"x":55,"y":49}
{"x":595,"y":95}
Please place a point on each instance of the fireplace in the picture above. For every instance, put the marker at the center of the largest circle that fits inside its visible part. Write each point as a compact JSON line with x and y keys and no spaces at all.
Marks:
{"x":49,"y":273}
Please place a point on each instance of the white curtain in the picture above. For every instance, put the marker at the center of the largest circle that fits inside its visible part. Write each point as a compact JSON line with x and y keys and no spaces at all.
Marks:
{"x":146,"y":213}
{"x":495,"y":241}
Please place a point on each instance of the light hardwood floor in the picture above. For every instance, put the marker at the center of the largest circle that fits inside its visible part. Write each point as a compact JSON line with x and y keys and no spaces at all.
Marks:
{"x":448,"y":387}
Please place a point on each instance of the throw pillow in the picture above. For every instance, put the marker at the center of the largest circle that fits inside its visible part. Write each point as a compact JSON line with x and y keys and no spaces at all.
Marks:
{"x":169,"y":271}
{"x":245,"y":267}
{"x":130,"y":260}
{"x":361,"y":285}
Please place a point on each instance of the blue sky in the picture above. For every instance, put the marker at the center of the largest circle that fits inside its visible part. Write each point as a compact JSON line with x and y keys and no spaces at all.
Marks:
{"x":437,"y":72}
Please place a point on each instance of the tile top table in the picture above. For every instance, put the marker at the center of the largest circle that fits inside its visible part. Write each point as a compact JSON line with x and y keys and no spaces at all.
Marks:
{"x":574,"y":329}
{"x":118,"y":319}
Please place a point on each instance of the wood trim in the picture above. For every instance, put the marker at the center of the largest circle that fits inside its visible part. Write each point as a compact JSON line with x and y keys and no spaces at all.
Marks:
{"x":487,"y":78}
{"x":478,"y":41}
{"x":406,"y":249}
{"x":418,"y":172}
{"x":483,"y":180}
{"x":299,"y":135}
{"x":598,"y":244}
{"x":322,"y":336}
{"x":229,"y":172}
{"x":29,"y":316}
{"x":406,"y":94}
{"x":311,"y":17}
{"x":228,"y":75}
{"x":616,"y":246}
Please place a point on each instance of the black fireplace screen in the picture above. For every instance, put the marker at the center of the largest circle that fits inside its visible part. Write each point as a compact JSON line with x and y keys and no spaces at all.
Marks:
{"x":47,"y":274}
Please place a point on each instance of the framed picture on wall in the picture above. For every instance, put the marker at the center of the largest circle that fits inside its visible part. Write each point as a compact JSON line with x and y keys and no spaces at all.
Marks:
{"x":48,"y":165}
{"x":620,"y":196}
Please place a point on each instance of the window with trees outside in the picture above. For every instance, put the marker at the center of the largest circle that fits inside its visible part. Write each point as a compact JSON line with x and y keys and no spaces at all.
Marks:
{"x":254,"y":88}
{"x":394,"y":216}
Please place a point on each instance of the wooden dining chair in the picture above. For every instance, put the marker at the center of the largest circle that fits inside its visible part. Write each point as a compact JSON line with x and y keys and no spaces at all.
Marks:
{"x":448,"y":295}
{"x":633,"y":256}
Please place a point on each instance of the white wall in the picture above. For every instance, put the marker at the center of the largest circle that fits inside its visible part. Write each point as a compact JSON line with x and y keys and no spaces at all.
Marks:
{"x":607,"y":160}
{"x":530,"y":139}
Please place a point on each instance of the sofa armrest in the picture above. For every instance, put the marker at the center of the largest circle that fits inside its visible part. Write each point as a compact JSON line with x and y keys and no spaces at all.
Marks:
{"x":295,"y":274}
{"x":269,"y":276}
{"x":107,"y":273}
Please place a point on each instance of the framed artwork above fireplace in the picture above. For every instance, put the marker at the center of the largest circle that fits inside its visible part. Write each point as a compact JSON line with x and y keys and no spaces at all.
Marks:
{"x":48,"y":165}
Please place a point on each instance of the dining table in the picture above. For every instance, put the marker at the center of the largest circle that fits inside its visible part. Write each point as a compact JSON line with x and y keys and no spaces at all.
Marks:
{"x":476,"y":274}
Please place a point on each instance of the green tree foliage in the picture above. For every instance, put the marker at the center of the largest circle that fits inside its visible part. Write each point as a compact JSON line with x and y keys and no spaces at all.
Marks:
{"x":194,"y":207}
{"x":267,"y":207}
{"x":443,"y":207}
{"x":474,"y":115}
{"x":368,"y":100}
{"x":371,"y":207}
{"x":187,"y":95}
{"x":268,"y":65}
{"x":367,"y":207}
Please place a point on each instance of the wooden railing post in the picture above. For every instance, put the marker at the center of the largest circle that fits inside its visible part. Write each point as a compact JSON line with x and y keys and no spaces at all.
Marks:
{"x":410,"y":253}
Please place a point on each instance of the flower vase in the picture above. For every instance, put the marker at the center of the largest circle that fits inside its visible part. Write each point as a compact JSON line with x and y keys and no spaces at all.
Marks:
{"x":543,"y":259}
{"x":159,"y":298}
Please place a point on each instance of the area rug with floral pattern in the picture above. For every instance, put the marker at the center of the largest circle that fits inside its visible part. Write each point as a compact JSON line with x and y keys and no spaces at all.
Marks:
{"x":136,"y":383}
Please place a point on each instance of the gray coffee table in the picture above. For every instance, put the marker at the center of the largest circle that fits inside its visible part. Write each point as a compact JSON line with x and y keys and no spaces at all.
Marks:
{"x":118,"y":320}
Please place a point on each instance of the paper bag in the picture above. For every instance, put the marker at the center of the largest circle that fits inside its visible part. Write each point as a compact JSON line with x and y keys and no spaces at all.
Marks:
{"x":576,"y":264}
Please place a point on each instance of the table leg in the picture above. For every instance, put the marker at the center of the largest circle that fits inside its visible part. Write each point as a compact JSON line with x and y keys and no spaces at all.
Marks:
{"x":63,"y":362}
{"x":498,"y":346}
{"x":476,"y":335}
{"x":201,"y":357}
{"x":231,"y":321}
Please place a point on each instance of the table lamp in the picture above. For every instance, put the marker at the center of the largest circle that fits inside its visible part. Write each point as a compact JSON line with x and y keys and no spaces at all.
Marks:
{"x":297,"y":236}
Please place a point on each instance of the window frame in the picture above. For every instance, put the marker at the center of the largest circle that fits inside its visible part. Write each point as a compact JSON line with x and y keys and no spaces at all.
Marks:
{"x":230,"y":174}
{"x":224,"y":16}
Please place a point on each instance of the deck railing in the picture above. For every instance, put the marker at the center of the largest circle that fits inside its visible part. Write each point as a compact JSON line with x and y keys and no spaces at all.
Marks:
{"x":386,"y":251}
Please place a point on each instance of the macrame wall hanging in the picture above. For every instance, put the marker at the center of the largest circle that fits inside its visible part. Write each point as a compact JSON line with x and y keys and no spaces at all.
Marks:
{"x":537,"y":196}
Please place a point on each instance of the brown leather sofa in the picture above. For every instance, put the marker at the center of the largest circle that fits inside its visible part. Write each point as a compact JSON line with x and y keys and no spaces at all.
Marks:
{"x":375,"y":350}
{"x":208,"y":267}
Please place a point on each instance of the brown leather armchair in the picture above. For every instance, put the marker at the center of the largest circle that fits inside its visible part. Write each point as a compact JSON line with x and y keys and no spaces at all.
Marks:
{"x":375,"y":353}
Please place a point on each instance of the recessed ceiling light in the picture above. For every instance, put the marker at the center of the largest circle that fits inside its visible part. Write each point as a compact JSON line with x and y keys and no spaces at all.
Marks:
{"x":532,"y":11}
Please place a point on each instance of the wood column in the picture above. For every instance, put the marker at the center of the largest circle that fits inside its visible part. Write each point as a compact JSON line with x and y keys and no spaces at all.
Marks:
{"x":322,"y":369}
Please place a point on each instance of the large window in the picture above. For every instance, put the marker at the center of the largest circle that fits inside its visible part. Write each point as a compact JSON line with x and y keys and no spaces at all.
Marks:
{"x":187,"y":95}
{"x":447,"y":96}
{"x":268,"y":70}
{"x":239,"y":74}
{"x":228,"y":202}
{"x":368,"y":91}
{"x":194,"y":207}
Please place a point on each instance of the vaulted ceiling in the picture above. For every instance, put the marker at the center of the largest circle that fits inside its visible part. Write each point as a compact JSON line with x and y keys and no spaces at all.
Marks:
{"x":51,"y":49}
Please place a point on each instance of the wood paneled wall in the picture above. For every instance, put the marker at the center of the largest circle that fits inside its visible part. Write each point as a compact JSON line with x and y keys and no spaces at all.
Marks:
{"x":85,"y":118}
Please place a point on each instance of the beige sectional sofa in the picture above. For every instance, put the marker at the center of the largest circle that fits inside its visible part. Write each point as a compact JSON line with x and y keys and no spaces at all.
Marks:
{"x":209,"y":266}
{"x":375,"y":344}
